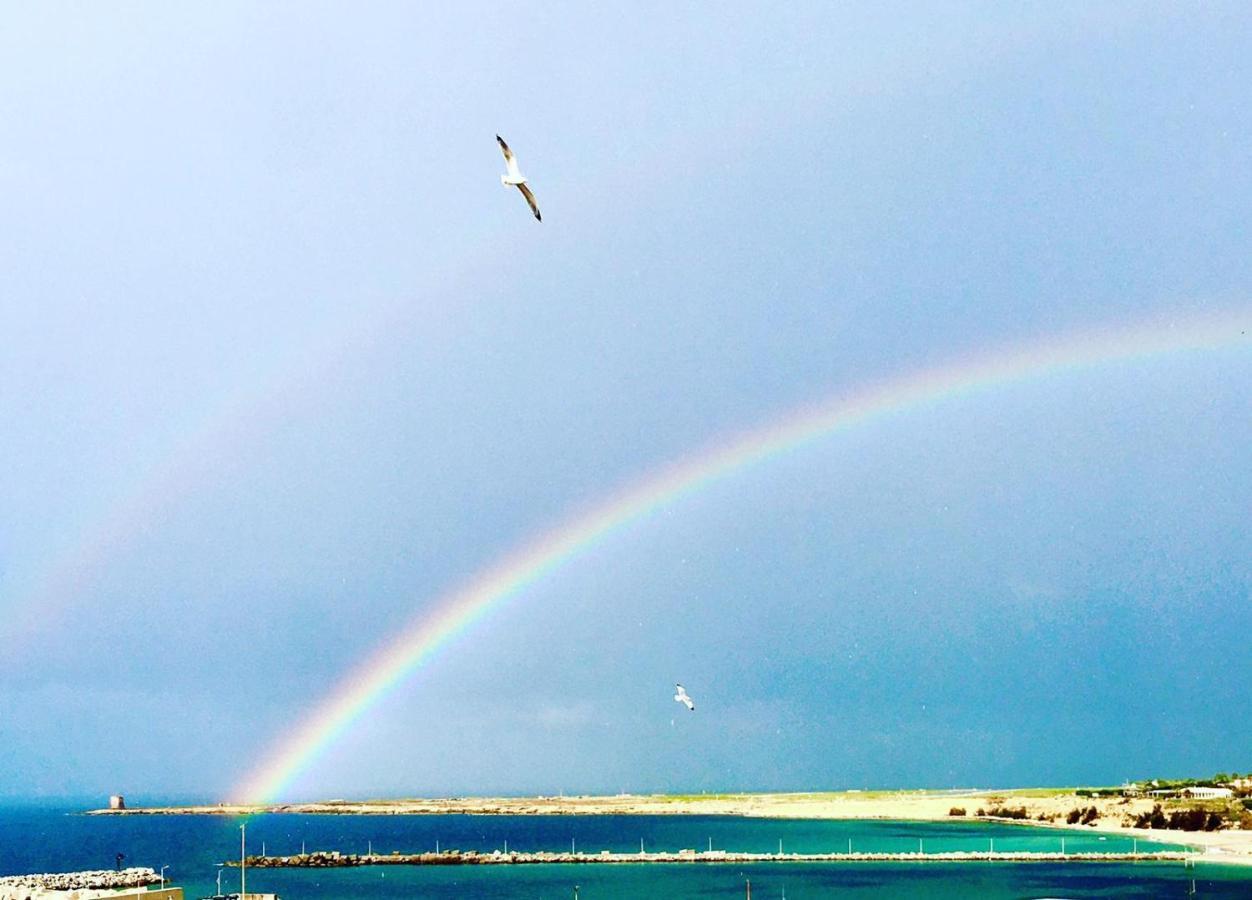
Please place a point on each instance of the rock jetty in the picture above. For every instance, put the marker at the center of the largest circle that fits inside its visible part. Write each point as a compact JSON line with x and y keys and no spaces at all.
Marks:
{"x":333,"y":859}
{"x":25,"y":885}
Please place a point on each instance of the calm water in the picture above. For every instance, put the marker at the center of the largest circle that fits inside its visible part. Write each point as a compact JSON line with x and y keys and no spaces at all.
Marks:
{"x":34,"y":840}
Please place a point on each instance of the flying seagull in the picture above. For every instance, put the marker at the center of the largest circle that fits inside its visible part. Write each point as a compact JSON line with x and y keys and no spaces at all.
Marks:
{"x":515,"y":178}
{"x":682,"y":698}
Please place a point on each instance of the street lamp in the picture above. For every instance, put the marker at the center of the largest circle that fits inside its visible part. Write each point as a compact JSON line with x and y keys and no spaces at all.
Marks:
{"x":219,"y":878}
{"x":163,"y":868}
{"x":243,"y":860}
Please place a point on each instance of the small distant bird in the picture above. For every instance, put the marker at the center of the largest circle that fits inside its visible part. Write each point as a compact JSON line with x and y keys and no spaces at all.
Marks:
{"x":681,"y":697}
{"x":513,"y":177}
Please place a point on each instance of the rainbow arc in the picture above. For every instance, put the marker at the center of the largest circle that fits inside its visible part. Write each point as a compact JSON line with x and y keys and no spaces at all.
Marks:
{"x":455,"y":613}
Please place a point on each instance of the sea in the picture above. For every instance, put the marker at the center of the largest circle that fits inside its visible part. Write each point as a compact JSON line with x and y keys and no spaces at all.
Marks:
{"x":192,"y":848}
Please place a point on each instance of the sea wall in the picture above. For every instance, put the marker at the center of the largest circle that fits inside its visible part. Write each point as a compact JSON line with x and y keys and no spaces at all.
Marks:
{"x":81,"y":885}
{"x":331,"y":859}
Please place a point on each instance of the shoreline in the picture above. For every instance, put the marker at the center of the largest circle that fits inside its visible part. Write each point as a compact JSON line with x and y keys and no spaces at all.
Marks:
{"x":1044,"y":808}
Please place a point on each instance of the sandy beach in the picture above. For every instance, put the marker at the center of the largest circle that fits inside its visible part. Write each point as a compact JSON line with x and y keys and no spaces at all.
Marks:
{"x":1052,"y":804}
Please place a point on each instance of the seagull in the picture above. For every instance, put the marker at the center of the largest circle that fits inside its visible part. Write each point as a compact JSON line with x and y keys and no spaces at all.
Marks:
{"x":682,"y":698}
{"x":515,"y":178}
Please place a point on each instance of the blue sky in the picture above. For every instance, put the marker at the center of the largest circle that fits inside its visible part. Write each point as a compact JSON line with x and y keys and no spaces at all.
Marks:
{"x":275,"y":341}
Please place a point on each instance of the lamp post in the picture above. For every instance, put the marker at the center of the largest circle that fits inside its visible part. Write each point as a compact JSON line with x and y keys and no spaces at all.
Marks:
{"x":163,"y":868}
{"x":243,"y":860}
{"x":219,"y":878}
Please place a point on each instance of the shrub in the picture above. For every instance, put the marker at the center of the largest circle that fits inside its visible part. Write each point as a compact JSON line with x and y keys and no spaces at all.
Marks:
{"x":1195,"y":819}
{"x":1090,"y":815}
{"x":957,"y":811}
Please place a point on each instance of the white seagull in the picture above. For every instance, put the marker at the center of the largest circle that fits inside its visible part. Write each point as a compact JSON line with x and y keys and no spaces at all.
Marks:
{"x":513,"y":177}
{"x":682,"y":698}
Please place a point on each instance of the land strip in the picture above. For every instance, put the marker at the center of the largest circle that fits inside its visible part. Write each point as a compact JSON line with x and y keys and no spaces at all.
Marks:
{"x":335,"y":859}
{"x":1039,"y":807}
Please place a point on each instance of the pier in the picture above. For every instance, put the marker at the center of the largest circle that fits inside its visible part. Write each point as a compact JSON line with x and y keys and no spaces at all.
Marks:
{"x":333,"y":859}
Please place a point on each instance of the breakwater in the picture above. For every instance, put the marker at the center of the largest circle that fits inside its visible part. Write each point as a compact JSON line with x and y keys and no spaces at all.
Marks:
{"x":78,"y":881}
{"x":333,"y":859}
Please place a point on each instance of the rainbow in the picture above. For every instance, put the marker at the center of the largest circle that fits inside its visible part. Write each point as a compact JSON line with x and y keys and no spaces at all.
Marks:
{"x":456,"y":612}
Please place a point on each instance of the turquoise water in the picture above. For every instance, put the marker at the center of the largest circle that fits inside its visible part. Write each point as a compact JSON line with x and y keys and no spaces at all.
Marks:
{"x":52,"y":840}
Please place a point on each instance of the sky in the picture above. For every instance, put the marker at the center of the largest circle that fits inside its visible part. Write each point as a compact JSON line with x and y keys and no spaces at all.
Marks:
{"x":282,"y":363}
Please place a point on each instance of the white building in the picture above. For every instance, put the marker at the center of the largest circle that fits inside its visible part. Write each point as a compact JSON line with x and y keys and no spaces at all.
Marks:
{"x":1208,"y":793}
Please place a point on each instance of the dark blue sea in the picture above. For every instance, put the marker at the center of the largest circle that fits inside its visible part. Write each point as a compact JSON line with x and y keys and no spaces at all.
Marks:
{"x":48,"y":839}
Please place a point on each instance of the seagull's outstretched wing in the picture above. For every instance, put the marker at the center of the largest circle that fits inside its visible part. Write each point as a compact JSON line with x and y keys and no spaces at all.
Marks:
{"x":510,"y":161}
{"x":530,"y":198}
{"x":683,"y":698}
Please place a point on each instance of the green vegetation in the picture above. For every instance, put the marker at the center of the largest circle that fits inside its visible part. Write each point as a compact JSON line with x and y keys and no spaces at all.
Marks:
{"x":1194,"y":819}
{"x":957,"y":811}
{"x":1219,"y":779}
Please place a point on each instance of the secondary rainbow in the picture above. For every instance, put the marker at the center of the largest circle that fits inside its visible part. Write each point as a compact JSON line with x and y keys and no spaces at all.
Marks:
{"x":456,"y":612}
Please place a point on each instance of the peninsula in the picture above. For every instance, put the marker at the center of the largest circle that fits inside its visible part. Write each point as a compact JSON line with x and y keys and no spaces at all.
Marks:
{"x":1106,"y":810}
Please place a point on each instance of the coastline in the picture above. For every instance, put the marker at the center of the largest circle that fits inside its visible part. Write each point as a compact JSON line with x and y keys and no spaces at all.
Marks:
{"x":1232,"y":846}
